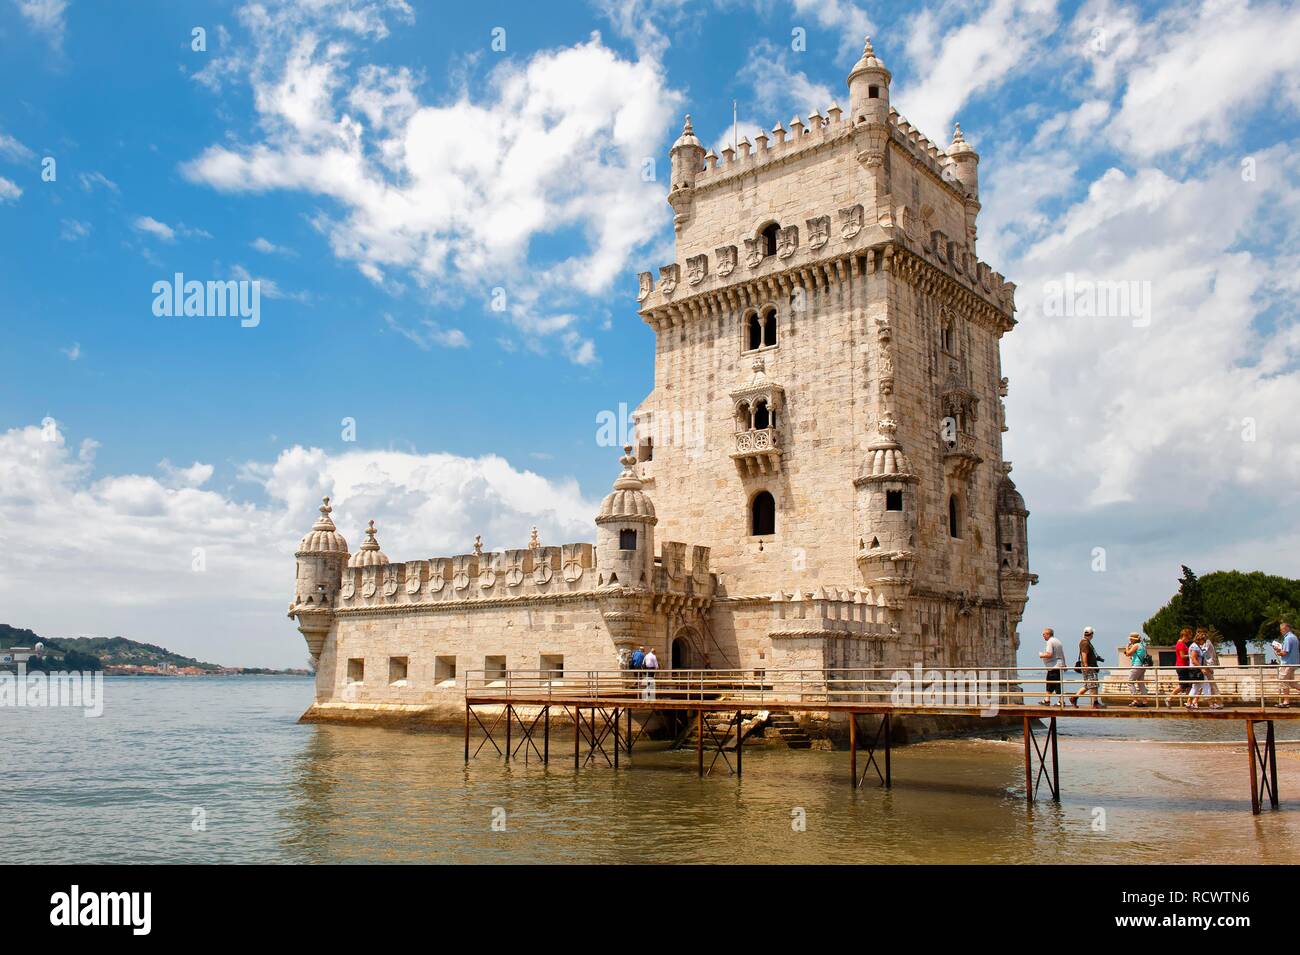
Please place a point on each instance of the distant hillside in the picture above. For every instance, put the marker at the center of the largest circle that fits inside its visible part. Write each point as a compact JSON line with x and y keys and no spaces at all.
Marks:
{"x":76,"y":652}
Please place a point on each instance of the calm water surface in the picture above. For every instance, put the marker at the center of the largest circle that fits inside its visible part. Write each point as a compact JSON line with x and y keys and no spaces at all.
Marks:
{"x":124,"y":787}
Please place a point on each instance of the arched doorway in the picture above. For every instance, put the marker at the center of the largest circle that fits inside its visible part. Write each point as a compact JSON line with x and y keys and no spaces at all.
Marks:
{"x":685,"y":650}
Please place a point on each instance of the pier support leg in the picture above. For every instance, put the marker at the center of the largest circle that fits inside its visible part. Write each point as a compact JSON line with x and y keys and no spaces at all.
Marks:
{"x":699,"y":741}
{"x":616,"y":734}
{"x":577,"y":737}
{"x":546,"y":735}
{"x":740,"y":743}
{"x":1263,"y":766}
{"x":1045,"y":755}
{"x":629,"y":731}
{"x":510,"y":718}
{"x":467,"y":731}
{"x":853,"y":749}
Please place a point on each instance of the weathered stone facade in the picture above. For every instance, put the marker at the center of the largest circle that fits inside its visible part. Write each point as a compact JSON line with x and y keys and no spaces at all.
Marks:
{"x":825,"y":430}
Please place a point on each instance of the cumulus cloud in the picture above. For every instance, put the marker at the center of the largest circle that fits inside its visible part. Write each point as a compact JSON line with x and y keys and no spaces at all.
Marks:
{"x":46,"y":17}
{"x":12,"y":149}
{"x":9,"y":190}
{"x":458,"y":192}
{"x":167,"y":559}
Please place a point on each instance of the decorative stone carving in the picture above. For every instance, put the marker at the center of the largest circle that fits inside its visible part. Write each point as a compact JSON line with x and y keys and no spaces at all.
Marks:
{"x":697,"y":267}
{"x":674,"y":557}
{"x":726,"y":260}
{"x":390,"y":580}
{"x":787,"y":241}
{"x":700,"y":565}
{"x":439,"y":571}
{"x":819,"y":231}
{"x":669,"y":276}
{"x":412,"y":577}
{"x":464,"y":568}
{"x":753,"y":254}
{"x":518,"y":565}
{"x":349,"y":586}
{"x":647,"y":284}
{"x":575,"y":558}
{"x":545,"y":561}
{"x":368,"y":583}
{"x":487,"y":571}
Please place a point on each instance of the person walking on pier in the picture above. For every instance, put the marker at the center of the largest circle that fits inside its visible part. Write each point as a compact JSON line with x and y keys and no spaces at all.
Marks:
{"x":1194,"y":675}
{"x":1288,"y":655}
{"x":1180,"y":665}
{"x":1139,"y":659}
{"x":650,"y":664}
{"x":1087,"y":665}
{"x":1053,"y":657}
{"x":1209,"y":660}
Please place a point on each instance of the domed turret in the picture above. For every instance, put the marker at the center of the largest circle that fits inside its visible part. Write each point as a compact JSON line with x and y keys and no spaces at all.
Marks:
{"x":886,"y":515}
{"x":369,"y":555}
{"x":625,"y":531}
{"x":869,"y":88}
{"x":1013,"y":551}
{"x":965,"y":162}
{"x":321,"y":557}
{"x":687,"y":161}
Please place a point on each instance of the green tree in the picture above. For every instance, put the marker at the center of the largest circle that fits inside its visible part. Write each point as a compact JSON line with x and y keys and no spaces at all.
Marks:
{"x":1243,"y":607}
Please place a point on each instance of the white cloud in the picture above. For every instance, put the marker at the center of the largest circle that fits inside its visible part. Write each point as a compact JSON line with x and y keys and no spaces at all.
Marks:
{"x":73,"y":229}
{"x":126,"y":543}
{"x":428,"y":334}
{"x":96,"y":180}
{"x":11,"y":148}
{"x":952,"y":61}
{"x":9,"y":190}
{"x":45,"y":16}
{"x":73,"y":351}
{"x":270,"y":248}
{"x":457,"y":193}
{"x":166,"y":233}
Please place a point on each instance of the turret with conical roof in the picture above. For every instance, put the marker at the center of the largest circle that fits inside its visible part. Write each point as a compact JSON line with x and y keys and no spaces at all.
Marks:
{"x":687,"y":160}
{"x":886,"y":514}
{"x":625,"y":545}
{"x":869,"y":88}
{"x":321,"y":556}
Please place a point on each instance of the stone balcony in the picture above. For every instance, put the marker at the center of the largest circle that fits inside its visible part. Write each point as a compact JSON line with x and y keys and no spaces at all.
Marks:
{"x":758,"y":451}
{"x":959,"y":455}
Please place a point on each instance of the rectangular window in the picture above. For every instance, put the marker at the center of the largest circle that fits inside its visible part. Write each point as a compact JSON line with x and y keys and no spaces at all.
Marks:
{"x":627,"y":539}
{"x":444,"y":669}
{"x":494,"y":667}
{"x":552,"y":666}
{"x":893,"y":500}
{"x":397,"y":670}
{"x":356,"y":670}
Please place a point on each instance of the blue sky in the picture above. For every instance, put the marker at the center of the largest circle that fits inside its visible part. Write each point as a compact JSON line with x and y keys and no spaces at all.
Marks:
{"x":390,"y":173}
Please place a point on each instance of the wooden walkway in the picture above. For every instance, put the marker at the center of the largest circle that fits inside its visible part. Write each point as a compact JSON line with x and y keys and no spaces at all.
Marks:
{"x":513,"y":713}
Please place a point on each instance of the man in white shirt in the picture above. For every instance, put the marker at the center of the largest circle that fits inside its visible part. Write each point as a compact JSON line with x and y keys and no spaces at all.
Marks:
{"x":650,"y":664}
{"x":1053,"y":657}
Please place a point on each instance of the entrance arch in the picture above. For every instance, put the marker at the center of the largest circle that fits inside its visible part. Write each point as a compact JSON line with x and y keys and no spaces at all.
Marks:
{"x":685,"y":653}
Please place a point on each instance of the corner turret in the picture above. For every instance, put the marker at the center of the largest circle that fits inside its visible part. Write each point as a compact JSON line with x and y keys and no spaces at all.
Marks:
{"x":625,"y":543}
{"x":886,"y":513}
{"x":687,"y":158}
{"x":869,"y":89}
{"x":1013,"y":551}
{"x":321,"y":556}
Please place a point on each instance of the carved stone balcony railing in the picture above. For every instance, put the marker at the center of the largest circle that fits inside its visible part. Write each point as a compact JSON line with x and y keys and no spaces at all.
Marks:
{"x":959,"y":455}
{"x":758,"y":451}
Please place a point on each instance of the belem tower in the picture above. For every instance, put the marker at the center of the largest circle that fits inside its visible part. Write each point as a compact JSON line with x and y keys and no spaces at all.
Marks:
{"x":843,"y":501}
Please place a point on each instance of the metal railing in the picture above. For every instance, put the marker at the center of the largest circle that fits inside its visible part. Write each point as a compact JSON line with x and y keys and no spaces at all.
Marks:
{"x":1243,"y":689}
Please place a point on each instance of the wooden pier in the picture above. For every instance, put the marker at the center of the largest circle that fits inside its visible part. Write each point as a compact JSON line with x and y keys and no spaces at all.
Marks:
{"x":513,"y":713}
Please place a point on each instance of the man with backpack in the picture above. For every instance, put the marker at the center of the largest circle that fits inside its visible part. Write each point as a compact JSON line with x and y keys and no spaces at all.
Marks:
{"x":1139,"y":659}
{"x":636,"y":663}
{"x":1087,"y":664}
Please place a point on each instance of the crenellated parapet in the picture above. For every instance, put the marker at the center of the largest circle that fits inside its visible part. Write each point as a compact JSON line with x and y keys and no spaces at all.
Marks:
{"x":830,"y":612}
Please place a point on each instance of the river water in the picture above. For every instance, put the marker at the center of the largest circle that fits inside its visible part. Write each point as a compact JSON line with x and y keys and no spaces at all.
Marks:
{"x":217,"y":769}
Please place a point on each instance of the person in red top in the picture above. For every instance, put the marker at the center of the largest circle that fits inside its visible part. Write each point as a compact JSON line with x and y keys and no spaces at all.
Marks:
{"x":1180,"y":664}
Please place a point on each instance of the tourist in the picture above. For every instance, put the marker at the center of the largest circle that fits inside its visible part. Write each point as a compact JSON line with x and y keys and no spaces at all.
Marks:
{"x":1087,"y":665}
{"x":1288,"y":655}
{"x":638,"y":658}
{"x":1194,"y":676}
{"x":1139,"y":659}
{"x":1209,"y":660}
{"x":650,"y":664}
{"x":1053,"y":657}
{"x":1180,"y":665}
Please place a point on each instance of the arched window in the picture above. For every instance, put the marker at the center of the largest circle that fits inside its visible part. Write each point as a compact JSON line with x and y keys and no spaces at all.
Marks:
{"x":948,"y":335}
{"x":768,"y":236}
{"x":744,"y":419}
{"x":762,"y":514}
{"x":627,"y":539}
{"x":769,"y":327}
{"x":754,"y":332}
{"x":761,"y":417}
{"x":954,"y":516}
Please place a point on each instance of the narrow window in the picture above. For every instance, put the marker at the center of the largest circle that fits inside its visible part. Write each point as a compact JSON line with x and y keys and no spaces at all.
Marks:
{"x":755,"y":333}
{"x":947,"y":337}
{"x":763,"y":514}
{"x":397,"y":670}
{"x":769,"y":328}
{"x":627,"y":539}
{"x":769,"y":239}
{"x":873,"y":92}
{"x":552,"y":666}
{"x":356,"y":671}
{"x":760,"y":416}
{"x":893,"y":500}
{"x":954,"y":527}
{"x":646,"y":450}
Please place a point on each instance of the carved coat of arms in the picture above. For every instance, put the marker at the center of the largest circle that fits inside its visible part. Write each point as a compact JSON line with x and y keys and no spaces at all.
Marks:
{"x":726,"y":259}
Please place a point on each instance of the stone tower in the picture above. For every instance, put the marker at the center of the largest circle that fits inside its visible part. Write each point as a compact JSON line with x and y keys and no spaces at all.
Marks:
{"x":321,"y":557}
{"x":827,"y":413}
